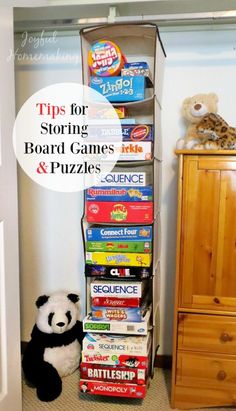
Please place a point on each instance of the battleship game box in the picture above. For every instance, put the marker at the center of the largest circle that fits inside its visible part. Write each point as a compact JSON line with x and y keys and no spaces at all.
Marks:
{"x":112,"y":373}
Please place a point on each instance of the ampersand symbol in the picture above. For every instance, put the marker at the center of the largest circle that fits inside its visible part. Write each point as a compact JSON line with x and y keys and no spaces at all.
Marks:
{"x":42,"y":168}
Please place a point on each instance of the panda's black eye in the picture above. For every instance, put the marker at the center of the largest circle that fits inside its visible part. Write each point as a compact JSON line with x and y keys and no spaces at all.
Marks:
{"x":50,"y":318}
{"x":68,"y":314}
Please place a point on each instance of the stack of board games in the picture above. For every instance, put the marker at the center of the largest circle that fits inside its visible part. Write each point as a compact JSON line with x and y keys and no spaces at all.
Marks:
{"x":117,"y":344}
{"x":119,"y":259}
{"x":120,"y":213}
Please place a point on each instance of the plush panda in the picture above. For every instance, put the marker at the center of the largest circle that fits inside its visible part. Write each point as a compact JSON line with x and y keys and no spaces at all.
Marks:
{"x":54,"y":349}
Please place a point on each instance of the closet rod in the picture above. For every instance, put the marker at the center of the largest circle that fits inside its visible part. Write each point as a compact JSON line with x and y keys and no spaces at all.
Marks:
{"x":165,"y":20}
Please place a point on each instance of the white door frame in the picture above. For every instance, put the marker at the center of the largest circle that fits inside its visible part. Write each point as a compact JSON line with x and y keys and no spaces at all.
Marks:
{"x":10,"y":360}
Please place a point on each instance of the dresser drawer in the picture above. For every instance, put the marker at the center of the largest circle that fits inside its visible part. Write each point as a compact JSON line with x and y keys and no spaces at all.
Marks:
{"x":208,"y":333}
{"x":206,"y":371}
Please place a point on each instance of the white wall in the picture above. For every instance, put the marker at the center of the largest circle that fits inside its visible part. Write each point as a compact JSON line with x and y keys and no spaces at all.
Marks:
{"x":50,"y":237}
{"x":197,"y":62}
{"x":51,"y":252}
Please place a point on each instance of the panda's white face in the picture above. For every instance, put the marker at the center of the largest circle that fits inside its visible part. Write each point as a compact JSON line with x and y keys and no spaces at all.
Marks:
{"x":57,"y":315}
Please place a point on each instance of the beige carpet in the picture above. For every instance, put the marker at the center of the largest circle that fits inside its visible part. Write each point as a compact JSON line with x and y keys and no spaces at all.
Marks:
{"x":71,"y":400}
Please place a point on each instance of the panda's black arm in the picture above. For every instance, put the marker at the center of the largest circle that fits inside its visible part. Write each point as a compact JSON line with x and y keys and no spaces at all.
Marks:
{"x":79,"y":331}
{"x":33,"y":358}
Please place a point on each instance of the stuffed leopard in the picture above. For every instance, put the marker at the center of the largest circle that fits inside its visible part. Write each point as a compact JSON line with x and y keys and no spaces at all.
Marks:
{"x":215,"y":134}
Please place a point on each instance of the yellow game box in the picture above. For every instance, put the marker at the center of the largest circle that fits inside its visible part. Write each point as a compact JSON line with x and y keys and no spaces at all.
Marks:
{"x":119,"y":259}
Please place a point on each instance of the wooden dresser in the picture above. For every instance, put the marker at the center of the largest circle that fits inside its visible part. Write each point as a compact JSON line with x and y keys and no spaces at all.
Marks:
{"x":204,"y":340}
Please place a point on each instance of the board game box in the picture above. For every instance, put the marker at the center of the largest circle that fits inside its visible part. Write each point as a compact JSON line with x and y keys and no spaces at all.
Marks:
{"x":118,"y":246}
{"x":134,"y":314}
{"x":116,"y":302}
{"x":115,"y":212}
{"x":114,"y":271}
{"x":116,"y":344}
{"x":126,"y":360}
{"x":119,"y":193}
{"x":120,"y":89}
{"x":119,"y":259}
{"x":102,"y":288}
{"x":129,"y":132}
{"x":117,"y":327}
{"x":113,"y":373}
{"x":113,"y":389}
{"x":135,"y":179}
{"x":142,"y":233}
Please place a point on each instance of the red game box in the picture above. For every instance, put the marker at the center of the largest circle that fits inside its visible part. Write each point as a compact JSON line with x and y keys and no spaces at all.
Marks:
{"x":116,"y":302}
{"x":113,"y":373}
{"x":112,"y":212}
{"x":113,"y":389}
{"x":132,"y":361}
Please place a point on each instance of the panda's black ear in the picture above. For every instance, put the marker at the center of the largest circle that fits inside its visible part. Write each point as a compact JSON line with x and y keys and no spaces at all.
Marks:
{"x":41,"y":300}
{"x":73,"y":297}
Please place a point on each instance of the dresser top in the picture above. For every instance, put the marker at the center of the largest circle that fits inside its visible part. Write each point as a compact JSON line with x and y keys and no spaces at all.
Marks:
{"x":207,"y":152}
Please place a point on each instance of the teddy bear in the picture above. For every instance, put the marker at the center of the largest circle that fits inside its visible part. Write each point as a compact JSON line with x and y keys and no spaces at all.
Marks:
{"x":193,"y":110}
{"x":55,"y":346}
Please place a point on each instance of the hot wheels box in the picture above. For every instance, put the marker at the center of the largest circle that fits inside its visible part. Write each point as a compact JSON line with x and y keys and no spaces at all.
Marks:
{"x":119,"y":193}
{"x":117,"y":327}
{"x":119,"y":233}
{"x":127,"y":360}
{"x":119,"y":89}
{"x":112,"y":373}
{"x":113,"y":389}
{"x":121,"y":259}
{"x":117,"y":344}
{"x":116,"y":302}
{"x":113,"y":212}
{"x":126,"y":178}
{"x":134,"y":314}
{"x":117,"y":246}
{"x":102,"y":288}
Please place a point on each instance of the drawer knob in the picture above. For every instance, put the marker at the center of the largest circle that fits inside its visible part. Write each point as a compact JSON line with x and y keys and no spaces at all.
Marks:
{"x":225,"y":337}
{"x":221,"y":375}
{"x":216,"y":300}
